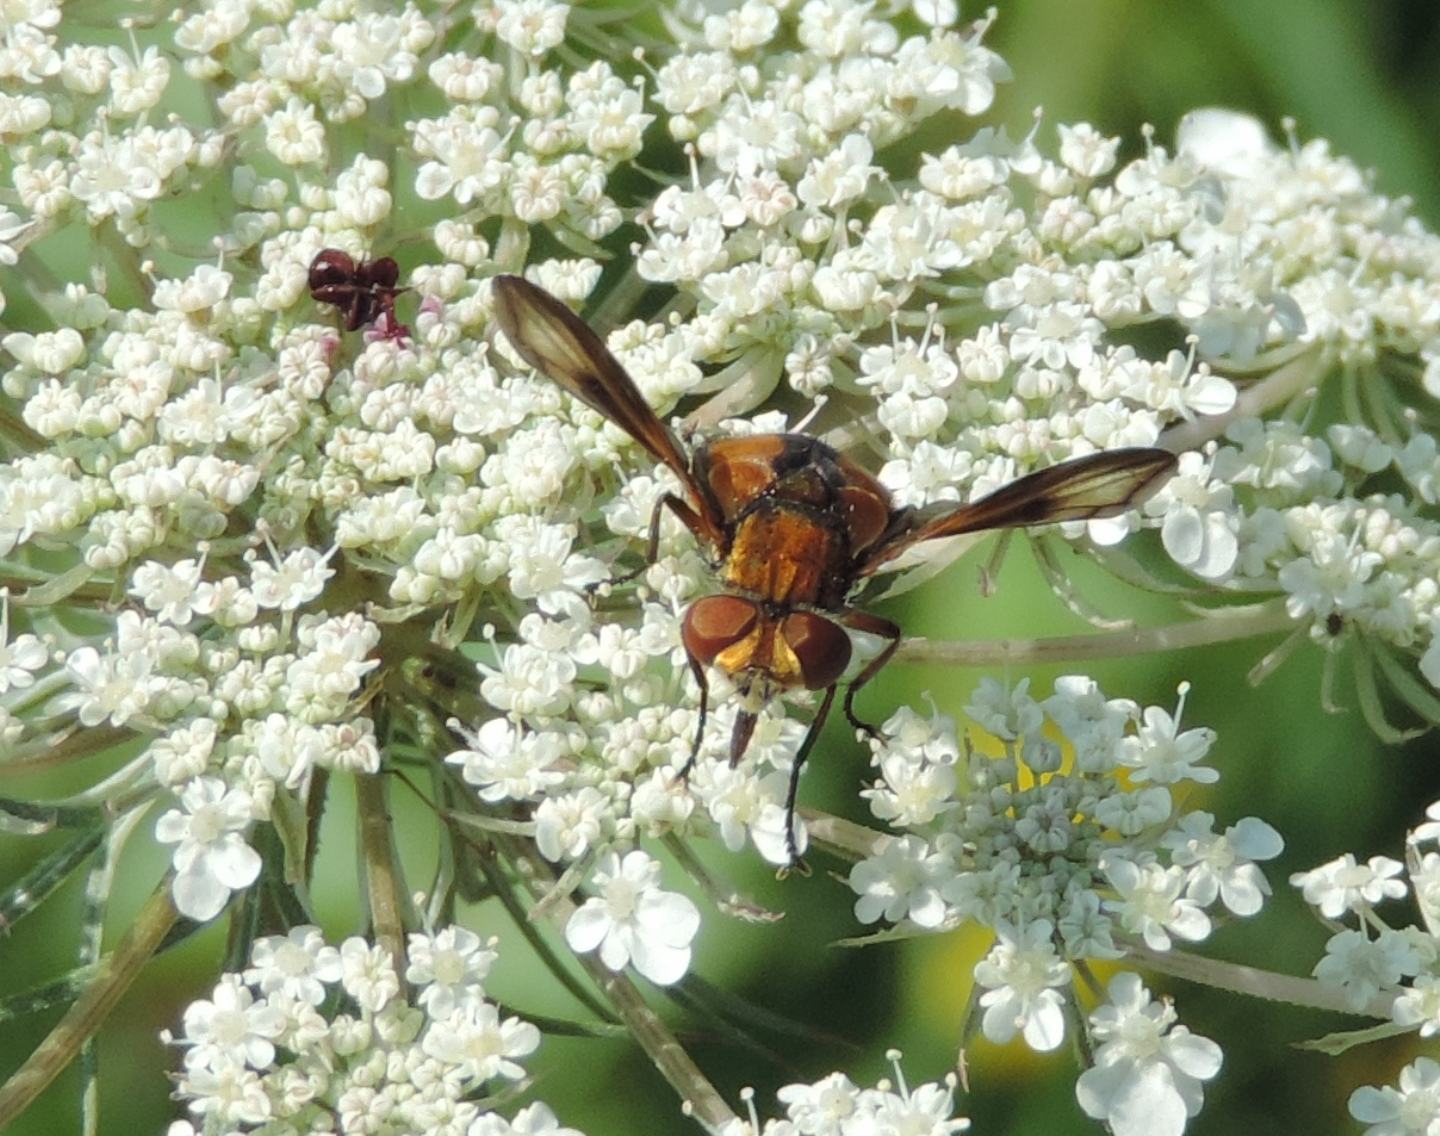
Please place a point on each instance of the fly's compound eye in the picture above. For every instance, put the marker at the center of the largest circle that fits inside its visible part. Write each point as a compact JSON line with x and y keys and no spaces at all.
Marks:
{"x":819,"y":645}
{"x":716,"y":623}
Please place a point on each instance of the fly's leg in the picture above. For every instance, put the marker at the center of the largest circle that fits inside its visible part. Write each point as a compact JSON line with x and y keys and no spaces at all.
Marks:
{"x":688,"y":517}
{"x":797,"y":864}
{"x":871,"y":625}
{"x":699,"y":672}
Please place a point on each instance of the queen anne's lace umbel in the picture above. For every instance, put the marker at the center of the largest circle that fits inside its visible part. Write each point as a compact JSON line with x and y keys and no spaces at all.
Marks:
{"x":270,"y":552}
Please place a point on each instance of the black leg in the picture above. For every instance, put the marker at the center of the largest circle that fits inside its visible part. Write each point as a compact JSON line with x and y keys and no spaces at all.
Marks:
{"x":800,"y":755}
{"x":698,"y":671}
{"x":688,"y":517}
{"x":873,"y":625}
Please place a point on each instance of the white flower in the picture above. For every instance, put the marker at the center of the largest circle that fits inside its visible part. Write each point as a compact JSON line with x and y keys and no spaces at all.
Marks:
{"x":1131,"y":813}
{"x":902,"y":882}
{"x":1095,"y":725}
{"x":294,"y":966}
{"x":1160,"y":752}
{"x":367,"y":974}
{"x":232,"y":1027}
{"x":1412,"y":1109}
{"x":1223,"y":866}
{"x":633,"y":920}
{"x":743,"y":805}
{"x":912,"y":792}
{"x":231,"y":1092}
{"x":835,"y":1106}
{"x":531,"y":27}
{"x":1419,"y":1006}
{"x":824,"y":1106}
{"x":1005,"y":712}
{"x":479,"y":1044}
{"x":20,"y":657}
{"x":1149,"y":1073}
{"x":536,"y":1119}
{"x":1344,"y":885}
{"x":110,"y":686}
{"x":211,"y":858}
{"x":1024,"y":977}
{"x":508,"y":764}
{"x":1223,"y":140}
{"x":297,"y":579}
{"x":567,"y":825}
{"x":1363,"y":968}
{"x":1200,"y":519}
{"x":1150,"y":902}
{"x":169,"y":590}
{"x":450,"y":966}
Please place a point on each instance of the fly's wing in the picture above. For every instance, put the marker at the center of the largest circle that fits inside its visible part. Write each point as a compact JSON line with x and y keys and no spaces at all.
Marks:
{"x":1098,"y":485}
{"x":558,"y":343}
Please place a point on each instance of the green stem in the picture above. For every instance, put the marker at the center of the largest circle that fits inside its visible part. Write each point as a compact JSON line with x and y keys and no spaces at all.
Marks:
{"x":1255,"y":982}
{"x":1218,"y":628}
{"x":699,"y":1098}
{"x":382,"y":868}
{"x":1299,"y":374}
{"x":845,"y":838}
{"x":91,"y":1009}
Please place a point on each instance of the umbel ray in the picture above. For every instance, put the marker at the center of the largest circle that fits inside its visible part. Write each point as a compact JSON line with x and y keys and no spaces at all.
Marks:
{"x":792,"y":527}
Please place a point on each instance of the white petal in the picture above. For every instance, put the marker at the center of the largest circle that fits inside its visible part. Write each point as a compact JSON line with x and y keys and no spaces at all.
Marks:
{"x":1256,"y":840}
{"x":662,"y":965}
{"x":1045,"y":1028}
{"x":1370,"y":1105}
{"x":668,"y":917}
{"x":199,"y":896}
{"x":1135,"y":1100}
{"x":587,"y":926}
{"x":234,"y":863}
{"x":1198,"y":1057}
{"x":999,"y":1022}
{"x":1191,"y":923}
{"x":618,"y":947}
{"x":1244,"y":893}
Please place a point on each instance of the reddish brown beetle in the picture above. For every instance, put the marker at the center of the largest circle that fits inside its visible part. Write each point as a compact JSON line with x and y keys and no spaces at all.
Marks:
{"x":363,"y":290}
{"x":792,"y":526}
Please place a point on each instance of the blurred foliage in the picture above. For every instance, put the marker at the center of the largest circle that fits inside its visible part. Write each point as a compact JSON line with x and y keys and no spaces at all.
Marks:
{"x":1360,"y":75}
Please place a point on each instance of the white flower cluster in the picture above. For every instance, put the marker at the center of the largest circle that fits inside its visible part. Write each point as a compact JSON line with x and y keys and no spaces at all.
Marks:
{"x":1081,"y":851}
{"x":1064,"y":860}
{"x":316,"y":1038}
{"x":282,"y":511}
{"x":234,"y":717}
{"x":836,"y":1106}
{"x":978,"y":300}
{"x":1012,"y":284}
{"x":1384,"y":970}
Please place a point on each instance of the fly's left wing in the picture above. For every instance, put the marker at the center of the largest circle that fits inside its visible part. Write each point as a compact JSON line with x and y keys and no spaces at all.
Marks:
{"x":1097,"y":485}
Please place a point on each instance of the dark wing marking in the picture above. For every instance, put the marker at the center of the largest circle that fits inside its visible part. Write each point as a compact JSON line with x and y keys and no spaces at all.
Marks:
{"x":1097,"y":485}
{"x":558,"y":343}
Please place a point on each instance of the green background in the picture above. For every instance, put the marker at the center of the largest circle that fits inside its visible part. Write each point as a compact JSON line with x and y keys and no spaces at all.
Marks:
{"x":1362,"y":75}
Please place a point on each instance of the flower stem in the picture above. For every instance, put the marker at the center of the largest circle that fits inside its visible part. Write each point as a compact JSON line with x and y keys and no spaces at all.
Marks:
{"x":845,"y":838}
{"x":1299,"y":374}
{"x":90,"y":1010}
{"x":382,"y":873}
{"x":698,"y":1096}
{"x":1258,"y":983}
{"x":1218,"y":628}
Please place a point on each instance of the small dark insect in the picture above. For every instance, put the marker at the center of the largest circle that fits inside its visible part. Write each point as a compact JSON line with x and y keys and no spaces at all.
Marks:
{"x":362,"y":291}
{"x":792,"y":526}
